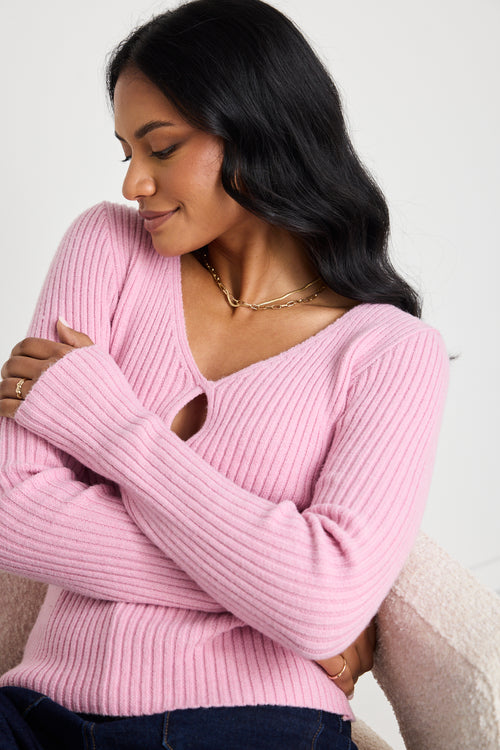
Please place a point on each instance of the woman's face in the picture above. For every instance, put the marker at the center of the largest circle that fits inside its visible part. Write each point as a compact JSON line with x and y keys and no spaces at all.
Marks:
{"x":174,"y":171}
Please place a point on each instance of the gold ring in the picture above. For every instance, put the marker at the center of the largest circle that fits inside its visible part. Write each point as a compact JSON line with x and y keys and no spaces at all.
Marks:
{"x":339,"y":674}
{"x":18,"y":388}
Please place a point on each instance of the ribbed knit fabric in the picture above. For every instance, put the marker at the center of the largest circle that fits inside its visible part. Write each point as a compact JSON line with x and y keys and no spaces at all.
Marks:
{"x":212,"y":571}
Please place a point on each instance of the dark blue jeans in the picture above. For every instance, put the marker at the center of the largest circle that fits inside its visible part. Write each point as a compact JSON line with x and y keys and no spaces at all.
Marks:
{"x":30,"y":721}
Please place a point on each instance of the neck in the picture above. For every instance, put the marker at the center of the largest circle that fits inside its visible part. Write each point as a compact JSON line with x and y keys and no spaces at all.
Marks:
{"x":261,"y":265}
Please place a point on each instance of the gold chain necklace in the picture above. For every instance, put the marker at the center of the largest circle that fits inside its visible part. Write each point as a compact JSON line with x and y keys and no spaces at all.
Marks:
{"x":269,"y":304}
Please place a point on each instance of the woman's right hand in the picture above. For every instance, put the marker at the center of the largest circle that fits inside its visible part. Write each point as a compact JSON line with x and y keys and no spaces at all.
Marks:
{"x":358,"y":659}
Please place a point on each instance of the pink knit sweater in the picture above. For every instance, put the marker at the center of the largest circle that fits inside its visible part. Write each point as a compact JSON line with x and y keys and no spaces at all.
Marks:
{"x":213,"y":571}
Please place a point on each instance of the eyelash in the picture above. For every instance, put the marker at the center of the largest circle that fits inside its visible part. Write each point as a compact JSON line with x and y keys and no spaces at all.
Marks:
{"x":163,"y":154}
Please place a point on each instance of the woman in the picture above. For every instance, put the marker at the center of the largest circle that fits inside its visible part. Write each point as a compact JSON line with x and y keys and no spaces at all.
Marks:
{"x":222,"y":464}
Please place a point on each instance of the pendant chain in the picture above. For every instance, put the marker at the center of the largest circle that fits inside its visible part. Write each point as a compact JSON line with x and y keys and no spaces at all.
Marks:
{"x":270,"y":304}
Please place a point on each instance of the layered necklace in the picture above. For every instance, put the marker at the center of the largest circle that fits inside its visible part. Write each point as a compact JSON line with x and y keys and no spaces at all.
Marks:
{"x":271,"y":304}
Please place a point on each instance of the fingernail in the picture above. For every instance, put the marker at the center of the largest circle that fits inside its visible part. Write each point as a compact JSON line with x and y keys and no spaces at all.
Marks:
{"x":350,"y":697}
{"x":64,"y":322}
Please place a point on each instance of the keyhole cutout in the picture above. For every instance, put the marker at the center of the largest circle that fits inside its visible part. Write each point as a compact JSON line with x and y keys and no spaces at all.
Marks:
{"x":191,"y":418}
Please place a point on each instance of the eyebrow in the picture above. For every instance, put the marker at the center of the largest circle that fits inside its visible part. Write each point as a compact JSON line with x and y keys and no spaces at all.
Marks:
{"x":147,"y":128}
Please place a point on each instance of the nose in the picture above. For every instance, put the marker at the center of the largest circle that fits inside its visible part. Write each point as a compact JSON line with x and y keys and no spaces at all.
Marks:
{"x":138,"y":182}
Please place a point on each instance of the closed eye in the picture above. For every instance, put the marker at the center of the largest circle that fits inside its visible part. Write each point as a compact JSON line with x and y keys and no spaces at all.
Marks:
{"x":164,"y":153}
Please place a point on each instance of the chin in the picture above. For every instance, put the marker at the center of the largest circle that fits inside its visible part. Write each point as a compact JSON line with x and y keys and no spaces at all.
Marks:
{"x":167,"y":249}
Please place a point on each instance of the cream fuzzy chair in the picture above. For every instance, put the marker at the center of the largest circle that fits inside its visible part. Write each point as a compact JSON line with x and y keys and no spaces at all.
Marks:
{"x":437,"y":660}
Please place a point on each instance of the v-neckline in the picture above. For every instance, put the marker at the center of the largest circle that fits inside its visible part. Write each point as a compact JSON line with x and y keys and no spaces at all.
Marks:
{"x":183,"y":340}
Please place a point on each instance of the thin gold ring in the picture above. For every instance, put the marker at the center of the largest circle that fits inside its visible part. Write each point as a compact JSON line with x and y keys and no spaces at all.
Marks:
{"x":18,"y":388}
{"x":339,"y":674}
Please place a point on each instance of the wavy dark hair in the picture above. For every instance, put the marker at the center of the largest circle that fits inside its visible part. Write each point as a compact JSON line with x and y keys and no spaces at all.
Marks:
{"x":241,"y":70}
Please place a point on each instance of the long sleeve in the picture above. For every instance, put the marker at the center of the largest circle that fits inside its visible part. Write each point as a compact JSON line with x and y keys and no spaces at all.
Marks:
{"x":60,"y":522}
{"x":309,"y":580}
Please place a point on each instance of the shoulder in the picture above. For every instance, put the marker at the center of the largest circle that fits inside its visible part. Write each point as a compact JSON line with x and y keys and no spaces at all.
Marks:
{"x":378,"y":332}
{"x":106,"y":234}
{"x":112,"y":221}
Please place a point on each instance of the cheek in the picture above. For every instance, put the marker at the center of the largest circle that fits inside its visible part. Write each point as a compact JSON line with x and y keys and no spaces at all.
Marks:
{"x":204,"y":191}
{"x":207,"y":181}
{"x":206,"y":171}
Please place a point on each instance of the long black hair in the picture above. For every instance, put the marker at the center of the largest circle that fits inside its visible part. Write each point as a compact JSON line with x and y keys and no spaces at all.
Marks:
{"x":241,"y":70}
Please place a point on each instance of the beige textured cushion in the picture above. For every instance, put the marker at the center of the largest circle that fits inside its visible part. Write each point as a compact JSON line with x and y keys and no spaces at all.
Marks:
{"x":20,"y":601}
{"x":438,"y":656}
{"x":366,"y":739}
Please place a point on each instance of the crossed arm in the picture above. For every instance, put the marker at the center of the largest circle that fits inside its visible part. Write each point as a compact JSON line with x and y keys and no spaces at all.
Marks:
{"x":29,"y":360}
{"x":136,"y":556}
{"x":111,"y":520}
{"x":33,"y":357}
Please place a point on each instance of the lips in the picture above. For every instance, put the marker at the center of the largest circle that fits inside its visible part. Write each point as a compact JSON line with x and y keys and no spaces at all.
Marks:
{"x":155,"y":219}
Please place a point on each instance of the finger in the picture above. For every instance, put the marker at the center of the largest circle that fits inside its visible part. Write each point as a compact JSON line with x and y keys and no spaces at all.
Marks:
{"x":338,"y":670}
{"x":25,"y":367}
{"x":346,"y":682}
{"x":352,"y":658}
{"x":364,"y":658}
{"x":70,"y":336}
{"x":8,"y":407}
{"x":9,"y":388}
{"x":365,"y":646}
{"x":350,"y":684}
{"x":40,"y":348}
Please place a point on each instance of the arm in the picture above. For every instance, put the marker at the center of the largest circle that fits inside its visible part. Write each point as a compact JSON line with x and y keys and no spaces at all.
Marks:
{"x":311,"y":581}
{"x":60,"y":522}
{"x":61,"y":525}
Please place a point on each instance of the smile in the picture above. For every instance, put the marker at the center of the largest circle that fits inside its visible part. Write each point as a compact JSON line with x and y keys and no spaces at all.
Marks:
{"x":153,"y":220}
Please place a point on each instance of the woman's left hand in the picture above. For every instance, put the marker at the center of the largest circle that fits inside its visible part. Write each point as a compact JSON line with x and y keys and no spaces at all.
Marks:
{"x":29,"y":359}
{"x":353,"y":661}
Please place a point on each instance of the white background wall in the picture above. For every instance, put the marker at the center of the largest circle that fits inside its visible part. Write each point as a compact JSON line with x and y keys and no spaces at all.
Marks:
{"x":420,"y":85}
